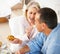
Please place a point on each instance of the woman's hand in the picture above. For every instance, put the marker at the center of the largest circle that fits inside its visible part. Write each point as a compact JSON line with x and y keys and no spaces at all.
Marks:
{"x":28,"y":31}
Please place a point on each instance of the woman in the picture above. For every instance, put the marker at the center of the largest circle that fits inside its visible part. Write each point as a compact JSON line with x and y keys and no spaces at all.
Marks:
{"x":23,"y":27}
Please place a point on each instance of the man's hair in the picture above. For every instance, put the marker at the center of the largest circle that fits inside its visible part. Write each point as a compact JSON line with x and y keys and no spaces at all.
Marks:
{"x":49,"y":17}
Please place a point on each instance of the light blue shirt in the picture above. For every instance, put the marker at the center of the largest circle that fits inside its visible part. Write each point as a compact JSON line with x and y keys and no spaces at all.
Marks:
{"x":36,"y":44}
{"x":46,"y":45}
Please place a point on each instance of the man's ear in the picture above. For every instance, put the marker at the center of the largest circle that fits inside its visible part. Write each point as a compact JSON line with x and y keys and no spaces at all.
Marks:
{"x":43,"y":26}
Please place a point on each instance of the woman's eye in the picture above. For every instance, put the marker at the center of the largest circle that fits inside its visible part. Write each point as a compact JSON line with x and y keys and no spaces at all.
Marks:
{"x":34,"y":13}
{"x":30,"y":12}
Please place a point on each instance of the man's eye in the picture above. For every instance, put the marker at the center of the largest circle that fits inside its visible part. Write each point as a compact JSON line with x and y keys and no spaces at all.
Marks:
{"x":34,"y":13}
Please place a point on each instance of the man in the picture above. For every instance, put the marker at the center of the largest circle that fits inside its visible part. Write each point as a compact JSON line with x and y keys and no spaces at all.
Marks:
{"x":49,"y":42}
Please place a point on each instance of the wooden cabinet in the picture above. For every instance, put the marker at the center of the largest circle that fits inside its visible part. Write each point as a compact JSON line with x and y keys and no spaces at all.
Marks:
{"x":3,"y":19}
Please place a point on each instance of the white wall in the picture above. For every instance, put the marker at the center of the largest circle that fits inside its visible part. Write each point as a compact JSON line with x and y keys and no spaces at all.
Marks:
{"x":54,"y":4}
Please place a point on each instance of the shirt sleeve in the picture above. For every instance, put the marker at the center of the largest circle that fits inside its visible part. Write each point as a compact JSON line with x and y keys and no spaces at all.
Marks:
{"x":36,"y":43}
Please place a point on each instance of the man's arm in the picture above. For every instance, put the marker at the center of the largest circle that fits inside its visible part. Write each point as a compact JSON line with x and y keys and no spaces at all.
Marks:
{"x":33,"y":46}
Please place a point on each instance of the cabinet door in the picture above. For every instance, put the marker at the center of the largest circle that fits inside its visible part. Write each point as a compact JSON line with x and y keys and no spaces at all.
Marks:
{"x":3,"y":19}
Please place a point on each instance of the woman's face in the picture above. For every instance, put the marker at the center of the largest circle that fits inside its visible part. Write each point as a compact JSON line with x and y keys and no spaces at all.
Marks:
{"x":31,"y":15}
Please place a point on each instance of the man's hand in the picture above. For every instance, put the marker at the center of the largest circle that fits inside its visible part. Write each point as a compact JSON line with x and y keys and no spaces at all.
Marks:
{"x":16,"y":41}
{"x":18,"y":52}
{"x":23,"y":50}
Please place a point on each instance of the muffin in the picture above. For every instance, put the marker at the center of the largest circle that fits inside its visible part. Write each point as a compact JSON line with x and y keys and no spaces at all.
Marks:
{"x":11,"y":37}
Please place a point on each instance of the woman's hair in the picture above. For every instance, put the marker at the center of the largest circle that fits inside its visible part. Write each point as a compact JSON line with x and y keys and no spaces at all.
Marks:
{"x":32,"y":4}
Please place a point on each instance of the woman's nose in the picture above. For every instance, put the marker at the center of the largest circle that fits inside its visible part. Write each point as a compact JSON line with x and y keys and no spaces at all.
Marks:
{"x":32,"y":16}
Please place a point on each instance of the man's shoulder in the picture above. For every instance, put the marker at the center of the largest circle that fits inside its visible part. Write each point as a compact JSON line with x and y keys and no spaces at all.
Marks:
{"x":41,"y":35}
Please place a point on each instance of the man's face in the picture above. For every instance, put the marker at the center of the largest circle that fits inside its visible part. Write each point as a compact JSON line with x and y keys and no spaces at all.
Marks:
{"x":38,"y":24}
